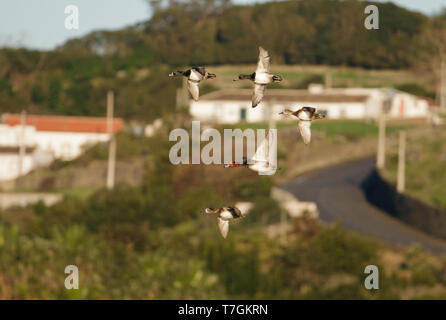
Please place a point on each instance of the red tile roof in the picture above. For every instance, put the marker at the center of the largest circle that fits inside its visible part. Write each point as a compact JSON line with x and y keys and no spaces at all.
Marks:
{"x":64,"y":124}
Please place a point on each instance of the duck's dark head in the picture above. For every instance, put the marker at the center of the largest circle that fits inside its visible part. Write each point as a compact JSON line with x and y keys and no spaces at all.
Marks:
{"x":309,"y":109}
{"x":319,"y":116}
{"x":277,"y":78}
{"x":243,"y":77}
{"x":211,"y":76}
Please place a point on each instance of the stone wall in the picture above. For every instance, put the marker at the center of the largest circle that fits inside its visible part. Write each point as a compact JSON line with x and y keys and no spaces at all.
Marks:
{"x":410,"y":210}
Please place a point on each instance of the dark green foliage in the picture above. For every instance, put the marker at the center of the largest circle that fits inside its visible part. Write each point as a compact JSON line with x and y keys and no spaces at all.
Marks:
{"x":248,"y":190}
{"x":304,"y":32}
{"x":54,"y":92}
{"x":307,"y":81}
{"x":336,"y":250}
{"x":416,"y":89}
{"x":194,"y":200}
{"x":5,"y":86}
{"x":36,"y":95}
{"x":238,"y":270}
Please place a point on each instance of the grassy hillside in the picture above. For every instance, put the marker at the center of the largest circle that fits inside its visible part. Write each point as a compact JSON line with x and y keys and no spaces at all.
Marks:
{"x":425,"y":165}
{"x":300,"y":76}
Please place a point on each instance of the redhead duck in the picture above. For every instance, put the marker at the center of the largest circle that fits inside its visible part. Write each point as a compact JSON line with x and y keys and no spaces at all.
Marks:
{"x":224,"y":215}
{"x":304,"y":115}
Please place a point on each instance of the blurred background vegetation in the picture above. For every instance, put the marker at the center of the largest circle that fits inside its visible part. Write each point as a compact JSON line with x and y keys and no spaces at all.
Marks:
{"x":150,"y":241}
{"x":146,"y":239}
{"x":135,"y":61}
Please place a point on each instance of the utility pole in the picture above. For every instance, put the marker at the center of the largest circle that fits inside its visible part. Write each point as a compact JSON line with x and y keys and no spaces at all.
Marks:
{"x":328,"y":80}
{"x":443,"y":85}
{"x":381,"y":154}
{"x":182,"y":95}
{"x":272,"y":119}
{"x":283,"y":226}
{"x":22,"y":142}
{"x":112,"y":142}
{"x":401,"y":178}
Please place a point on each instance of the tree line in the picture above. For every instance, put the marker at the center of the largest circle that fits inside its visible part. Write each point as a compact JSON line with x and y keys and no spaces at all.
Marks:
{"x":73,"y":78}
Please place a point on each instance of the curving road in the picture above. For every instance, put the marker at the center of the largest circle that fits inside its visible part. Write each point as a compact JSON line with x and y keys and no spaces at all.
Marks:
{"x":339,"y":197}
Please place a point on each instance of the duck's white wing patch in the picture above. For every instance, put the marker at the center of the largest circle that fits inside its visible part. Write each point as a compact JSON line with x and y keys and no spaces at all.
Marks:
{"x":261,"y":151}
{"x":196,"y":75}
{"x":224,"y":227}
{"x":259,"y":92}
{"x":305,"y":131}
{"x":193,"y":89}
{"x":264,"y":61}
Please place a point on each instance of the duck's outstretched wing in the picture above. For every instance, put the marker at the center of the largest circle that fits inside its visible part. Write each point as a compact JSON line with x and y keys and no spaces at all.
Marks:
{"x":192,"y":86}
{"x":310,"y":110}
{"x":201,"y":70}
{"x":305,"y":131}
{"x":259,"y":92}
{"x":223,"y":225}
{"x":264,"y":61}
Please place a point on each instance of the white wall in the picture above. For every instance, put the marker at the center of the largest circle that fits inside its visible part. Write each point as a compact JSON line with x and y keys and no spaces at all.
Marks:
{"x":49,"y":145}
{"x":408,"y":106}
{"x":12,"y":135}
{"x":66,"y":145}
{"x":9,"y":165}
{"x":355,"y":110}
{"x":61,"y":145}
{"x":229,"y":112}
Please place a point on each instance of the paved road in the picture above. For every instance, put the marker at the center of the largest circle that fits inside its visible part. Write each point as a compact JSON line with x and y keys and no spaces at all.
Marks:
{"x":339,"y":197}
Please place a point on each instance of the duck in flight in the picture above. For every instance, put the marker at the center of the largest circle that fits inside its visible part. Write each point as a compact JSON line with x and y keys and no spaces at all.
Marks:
{"x":304,"y":115}
{"x":194,"y":76}
{"x":234,"y":164}
{"x":261,"y":77}
{"x":264,"y":162}
{"x":224,"y":215}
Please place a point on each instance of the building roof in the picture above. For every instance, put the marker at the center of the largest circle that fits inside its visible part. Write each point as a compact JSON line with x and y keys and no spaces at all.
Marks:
{"x":63,"y":123}
{"x":284,"y":95}
{"x":15,"y":149}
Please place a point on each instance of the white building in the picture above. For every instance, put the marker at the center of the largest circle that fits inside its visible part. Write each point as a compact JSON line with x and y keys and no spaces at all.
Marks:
{"x":46,"y":138}
{"x":232,"y":106}
{"x":9,"y":162}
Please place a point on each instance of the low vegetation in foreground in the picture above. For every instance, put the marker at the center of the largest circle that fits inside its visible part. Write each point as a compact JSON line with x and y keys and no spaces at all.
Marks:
{"x":151,"y":242}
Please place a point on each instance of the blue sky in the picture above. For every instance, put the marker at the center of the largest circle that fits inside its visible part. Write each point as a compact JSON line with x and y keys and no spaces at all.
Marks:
{"x":39,"y":24}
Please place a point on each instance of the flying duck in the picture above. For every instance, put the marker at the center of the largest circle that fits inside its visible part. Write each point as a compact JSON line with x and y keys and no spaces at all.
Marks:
{"x":263,"y":162}
{"x":233,"y":164}
{"x":194,"y":75}
{"x":261,"y":77}
{"x":224,"y":215}
{"x":305,"y":115}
